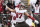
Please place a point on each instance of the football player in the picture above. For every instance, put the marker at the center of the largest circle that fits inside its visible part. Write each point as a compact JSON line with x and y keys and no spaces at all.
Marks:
{"x":12,"y":6}
{"x":13,"y":21}
{"x":20,"y":21}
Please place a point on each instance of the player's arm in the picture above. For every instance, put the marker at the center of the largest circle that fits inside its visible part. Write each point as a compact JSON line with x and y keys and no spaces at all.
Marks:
{"x":9,"y":8}
{"x":31,"y":18}
{"x":12,"y":10}
{"x":33,"y":5}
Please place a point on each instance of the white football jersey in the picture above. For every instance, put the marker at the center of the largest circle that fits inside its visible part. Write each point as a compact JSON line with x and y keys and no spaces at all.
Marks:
{"x":36,"y":10}
{"x":20,"y":15}
{"x":13,"y":17}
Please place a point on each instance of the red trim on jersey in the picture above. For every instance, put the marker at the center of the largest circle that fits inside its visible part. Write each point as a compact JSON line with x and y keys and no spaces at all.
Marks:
{"x":18,"y":5}
{"x":36,"y":13}
{"x":31,"y":17}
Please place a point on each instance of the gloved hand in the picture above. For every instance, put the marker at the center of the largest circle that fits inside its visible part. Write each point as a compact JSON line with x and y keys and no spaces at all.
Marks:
{"x":36,"y":22}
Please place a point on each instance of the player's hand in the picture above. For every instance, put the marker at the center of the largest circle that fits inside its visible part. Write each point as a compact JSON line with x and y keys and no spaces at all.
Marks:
{"x":36,"y":22}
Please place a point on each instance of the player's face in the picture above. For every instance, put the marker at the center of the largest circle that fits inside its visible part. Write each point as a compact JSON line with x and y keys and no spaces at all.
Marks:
{"x":21,"y":7}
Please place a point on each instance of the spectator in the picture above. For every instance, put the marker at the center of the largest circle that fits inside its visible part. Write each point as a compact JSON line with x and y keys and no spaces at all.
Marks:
{"x":2,"y":12}
{"x":4,"y":5}
{"x":36,"y":7}
{"x":9,"y":23}
{"x":7,"y":12}
{"x":1,"y":8}
{"x":11,"y":5}
{"x":32,"y":11}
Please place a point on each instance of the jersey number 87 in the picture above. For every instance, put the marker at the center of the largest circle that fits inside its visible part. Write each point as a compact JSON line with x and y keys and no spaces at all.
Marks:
{"x":18,"y":15}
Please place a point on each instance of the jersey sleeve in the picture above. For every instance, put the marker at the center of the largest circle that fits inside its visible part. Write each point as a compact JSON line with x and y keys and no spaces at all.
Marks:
{"x":12,"y":14}
{"x":17,"y":9}
{"x":25,"y":10}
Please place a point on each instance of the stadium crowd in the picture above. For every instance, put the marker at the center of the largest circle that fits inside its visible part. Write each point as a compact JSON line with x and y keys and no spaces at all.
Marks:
{"x":5,"y":14}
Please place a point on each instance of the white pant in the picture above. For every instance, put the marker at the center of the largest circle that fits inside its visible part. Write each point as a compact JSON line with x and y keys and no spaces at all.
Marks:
{"x":12,"y":25}
{"x":13,"y":22}
{"x":29,"y":22}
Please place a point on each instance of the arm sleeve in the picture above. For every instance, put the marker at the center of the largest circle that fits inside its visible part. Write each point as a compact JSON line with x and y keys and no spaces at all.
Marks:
{"x":31,"y":18}
{"x":25,"y":10}
{"x":33,"y":5}
{"x":13,"y":14}
{"x":17,"y":9}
